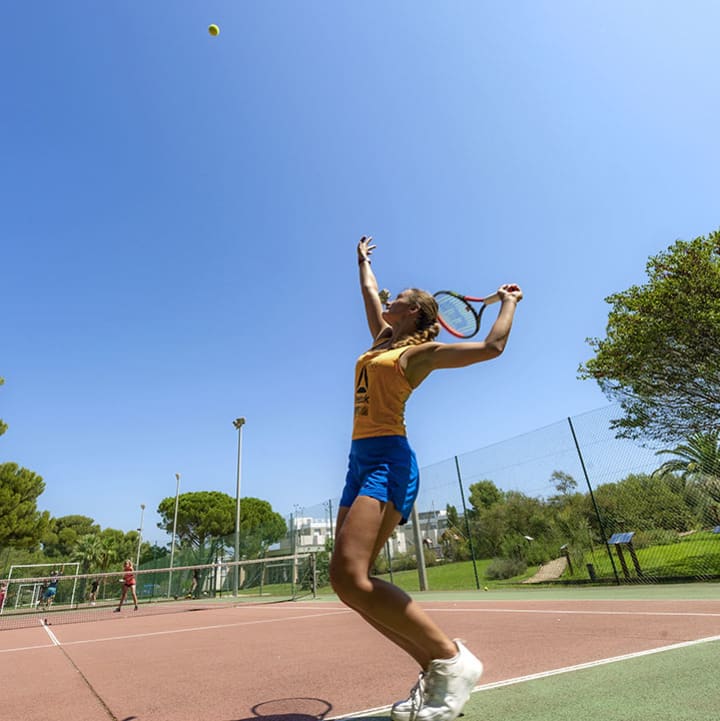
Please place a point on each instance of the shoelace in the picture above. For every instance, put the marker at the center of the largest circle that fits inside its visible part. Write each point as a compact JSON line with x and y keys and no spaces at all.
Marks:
{"x":417,"y":696}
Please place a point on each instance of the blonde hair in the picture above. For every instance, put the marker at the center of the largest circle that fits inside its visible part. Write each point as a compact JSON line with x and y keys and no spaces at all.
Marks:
{"x":427,"y":326}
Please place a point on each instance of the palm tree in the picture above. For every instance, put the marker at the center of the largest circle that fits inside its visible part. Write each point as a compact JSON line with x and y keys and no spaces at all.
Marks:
{"x":698,"y":463}
{"x":89,"y":551}
{"x":108,"y":555}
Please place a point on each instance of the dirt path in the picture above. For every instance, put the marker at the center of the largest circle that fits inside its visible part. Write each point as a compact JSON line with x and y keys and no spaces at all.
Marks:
{"x":549,"y":571}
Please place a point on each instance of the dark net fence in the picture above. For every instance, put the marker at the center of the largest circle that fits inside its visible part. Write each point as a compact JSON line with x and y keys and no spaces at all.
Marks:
{"x":567,"y":503}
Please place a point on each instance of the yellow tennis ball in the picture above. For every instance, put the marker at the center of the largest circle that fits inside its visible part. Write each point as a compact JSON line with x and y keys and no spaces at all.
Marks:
{"x":214,"y":30}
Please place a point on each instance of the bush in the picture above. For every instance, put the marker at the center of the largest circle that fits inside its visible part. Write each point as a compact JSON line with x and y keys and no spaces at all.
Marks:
{"x":502,"y":568}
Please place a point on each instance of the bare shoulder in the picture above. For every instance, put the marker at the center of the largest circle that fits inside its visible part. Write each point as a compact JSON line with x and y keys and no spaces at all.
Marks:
{"x":418,"y":361}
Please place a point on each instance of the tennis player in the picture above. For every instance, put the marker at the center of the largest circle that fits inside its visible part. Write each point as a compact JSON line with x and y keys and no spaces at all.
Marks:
{"x":128,"y":582}
{"x":382,"y":484}
{"x":51,"y":588}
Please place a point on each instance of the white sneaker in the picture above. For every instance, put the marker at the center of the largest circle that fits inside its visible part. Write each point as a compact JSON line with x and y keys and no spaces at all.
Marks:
{"x":448,"y":686}
{"x":407,"y":710}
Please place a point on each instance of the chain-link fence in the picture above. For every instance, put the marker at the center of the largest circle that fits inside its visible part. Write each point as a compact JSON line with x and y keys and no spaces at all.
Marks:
{"x":568,"y":503}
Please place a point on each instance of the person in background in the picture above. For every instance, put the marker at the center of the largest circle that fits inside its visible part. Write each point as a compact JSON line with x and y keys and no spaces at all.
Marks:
{"x":193,"y":583}
{"x":128,"y":582}
{"x":51,"y":588}
{"x":93,"y":590}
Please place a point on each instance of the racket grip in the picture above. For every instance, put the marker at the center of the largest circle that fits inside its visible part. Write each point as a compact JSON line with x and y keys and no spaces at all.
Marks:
{"x":494,"y":298}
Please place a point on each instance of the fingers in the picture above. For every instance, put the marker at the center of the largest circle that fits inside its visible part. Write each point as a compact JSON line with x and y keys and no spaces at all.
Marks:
{"x":510,"y":290}
{"x":364,"y":248}
{"x":365,"y":242}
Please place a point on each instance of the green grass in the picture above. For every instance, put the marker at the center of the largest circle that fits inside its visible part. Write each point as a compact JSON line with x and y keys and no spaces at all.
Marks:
{"x":458,"y":576}
{"x":694,"y":556}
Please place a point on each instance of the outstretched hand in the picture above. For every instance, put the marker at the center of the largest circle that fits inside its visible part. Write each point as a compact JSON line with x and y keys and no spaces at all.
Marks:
{"x":510,"y":290}
{"x":364,"y":248}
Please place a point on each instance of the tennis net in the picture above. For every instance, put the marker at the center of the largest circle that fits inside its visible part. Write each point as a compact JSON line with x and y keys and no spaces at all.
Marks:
{"x":95,"y":596}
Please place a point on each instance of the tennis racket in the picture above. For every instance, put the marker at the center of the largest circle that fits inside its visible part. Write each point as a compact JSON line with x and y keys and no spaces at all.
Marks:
{"x":456,"y":314}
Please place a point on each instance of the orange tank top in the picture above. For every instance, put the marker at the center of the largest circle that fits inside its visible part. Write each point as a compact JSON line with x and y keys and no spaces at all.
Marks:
{"x":381,"y":391}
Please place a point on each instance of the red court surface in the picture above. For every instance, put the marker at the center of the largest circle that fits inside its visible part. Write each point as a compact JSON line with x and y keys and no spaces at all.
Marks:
{"x":298,"y":661}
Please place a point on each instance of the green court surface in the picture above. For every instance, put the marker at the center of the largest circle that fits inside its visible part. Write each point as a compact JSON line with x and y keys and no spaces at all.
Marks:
{"x":677,"y":685}
{"x":639,"y":592}
{"x":673,"y":684}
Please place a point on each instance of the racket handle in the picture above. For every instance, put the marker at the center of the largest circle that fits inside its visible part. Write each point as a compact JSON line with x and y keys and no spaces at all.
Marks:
{"x":494,"y":298}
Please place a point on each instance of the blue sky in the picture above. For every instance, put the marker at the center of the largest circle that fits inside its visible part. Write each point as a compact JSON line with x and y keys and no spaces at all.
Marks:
{"x":180,"y":214}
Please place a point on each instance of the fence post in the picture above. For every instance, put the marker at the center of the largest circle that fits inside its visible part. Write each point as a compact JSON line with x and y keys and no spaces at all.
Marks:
{"x":330,"y":518}
{"x":592,"y":497}
{"x":467,"y":525}
{"x":419,"y":549}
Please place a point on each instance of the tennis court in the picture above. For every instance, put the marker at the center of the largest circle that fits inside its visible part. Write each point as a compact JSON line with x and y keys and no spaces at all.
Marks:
{"x":616,"y":654}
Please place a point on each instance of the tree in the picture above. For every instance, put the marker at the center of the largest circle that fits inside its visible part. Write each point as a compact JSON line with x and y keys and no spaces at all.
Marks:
{"x":22,"y":524}
{"x":62,"y":535}
{"x":642,"y":502}
{"x":484,"y":494}
{"x":89,"y":552}
{"x":207,"y":516}
{"x":124,"y":545}
{"x":260,"y":527}
{"x":201,"y":516}
{"x":661,"y":356}
{"x":564,"y":483}
{"x":698,"y":463}
{"x":3,"y":426}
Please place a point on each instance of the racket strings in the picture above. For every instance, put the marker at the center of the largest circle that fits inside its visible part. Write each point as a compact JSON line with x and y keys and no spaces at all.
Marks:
{"x":457,"y":315}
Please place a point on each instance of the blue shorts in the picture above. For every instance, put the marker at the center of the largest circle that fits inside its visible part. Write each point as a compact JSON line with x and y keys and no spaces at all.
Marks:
{"x":384,"y":468}
{"x":50,"y":592}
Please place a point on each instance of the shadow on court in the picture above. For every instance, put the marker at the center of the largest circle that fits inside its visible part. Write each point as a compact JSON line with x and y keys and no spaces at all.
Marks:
{"x":298,"y":709}
{"x":308,"y":717}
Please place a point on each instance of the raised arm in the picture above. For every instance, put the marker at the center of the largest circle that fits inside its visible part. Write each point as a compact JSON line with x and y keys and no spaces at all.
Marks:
{"x":419,"y":361}
{"x":369,"y":288}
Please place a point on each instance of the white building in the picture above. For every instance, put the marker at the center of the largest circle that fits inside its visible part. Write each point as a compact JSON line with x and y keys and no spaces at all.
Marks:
{"x":307,"y":534}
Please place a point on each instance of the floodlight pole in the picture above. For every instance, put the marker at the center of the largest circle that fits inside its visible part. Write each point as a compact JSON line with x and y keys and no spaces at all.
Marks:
{"x":238,"y":423}
{"x":140,"y":530}
{"x":172,"y":547}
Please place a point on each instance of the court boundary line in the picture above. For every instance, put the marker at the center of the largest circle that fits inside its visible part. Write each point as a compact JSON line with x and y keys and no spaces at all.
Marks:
{"x":194,"y":629}
{"x":552,"y":672}
{"x":85,"y":680}
{"x":53,"y":637}
{"x":571,"y":612}
{"x":335,"y":610}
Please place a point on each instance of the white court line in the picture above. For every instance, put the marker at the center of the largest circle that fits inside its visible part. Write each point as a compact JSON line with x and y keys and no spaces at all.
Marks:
{"x":203,"y":628}
{"x":581,"y":612}
{"x":552,"y":672}
{"x":53,"y":637}
{"x":56,"y":642}
{"x":26,"y":648}
{"x":568,"y":612}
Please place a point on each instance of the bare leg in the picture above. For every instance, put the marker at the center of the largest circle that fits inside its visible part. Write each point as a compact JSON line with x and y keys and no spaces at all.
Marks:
{"x":122,"y":596}
{"x":363,"y":530}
